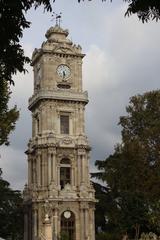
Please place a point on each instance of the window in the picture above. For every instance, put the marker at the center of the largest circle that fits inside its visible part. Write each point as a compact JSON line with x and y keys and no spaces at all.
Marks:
{"x":65,"y":176}
{"x":65,"y":172}
{"x":68,"y":226}
{"x":37,"y":125}
{"x":64,"y":124}
{"x":64,"y":86}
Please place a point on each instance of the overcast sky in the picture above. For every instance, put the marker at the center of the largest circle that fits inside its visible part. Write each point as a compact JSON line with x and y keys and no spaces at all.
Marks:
{"x":122,"y":59}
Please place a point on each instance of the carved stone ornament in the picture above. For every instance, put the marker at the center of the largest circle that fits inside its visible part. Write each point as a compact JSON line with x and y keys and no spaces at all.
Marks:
{"x":67,"y":140}
{"x":47,"y":208}
{"x":68,"y":192}
{"x":63,"y":49}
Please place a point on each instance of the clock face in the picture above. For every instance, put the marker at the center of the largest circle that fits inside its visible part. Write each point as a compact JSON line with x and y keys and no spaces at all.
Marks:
{"x":63,"y":71}
{"x":67,"y":214}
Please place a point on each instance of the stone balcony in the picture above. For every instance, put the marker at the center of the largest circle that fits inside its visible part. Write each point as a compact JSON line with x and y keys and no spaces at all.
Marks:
{"x":52,"y":140}
{"x":58,"y":95}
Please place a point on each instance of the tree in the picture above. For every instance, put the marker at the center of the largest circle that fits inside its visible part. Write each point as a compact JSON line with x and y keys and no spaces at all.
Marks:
{"x":145,"y":9}
{"x":12,"y":58}
{"x":12,"y":24}
{"x":8,"y":117}
{"x":11,"y":212}
{"x":103,"y":206}
{"x":132,"y":172}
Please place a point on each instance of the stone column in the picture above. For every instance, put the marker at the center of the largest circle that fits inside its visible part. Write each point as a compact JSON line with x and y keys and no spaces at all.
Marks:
{"x":29,"y":170}
{"x":82,"y":224}
{"x":79,"y":169}
{"x":86,"y":223}
{"x":48,"y":231}
{"x":53,"y":166}
{"x":49,"y":166}
{"x":81,"y":119}
{"x":76,"y":120}
{"x":83,"y":168}
{"x":42,"y":168}
{"x":71,"y":124}
{"x":35,"y":222}
{"x":72,"y":176}
{"x":39,"y":168}
{"x":86,"y":167}
{"x":45,"y":167}
{"x":88,"y":174}
{"x":34,"y":171}
{"x":57,"y":123}
{"x":55,"y":222}
{"x":48,"y":118}
{"x":42,"y":120}
{"x":79,"y":63}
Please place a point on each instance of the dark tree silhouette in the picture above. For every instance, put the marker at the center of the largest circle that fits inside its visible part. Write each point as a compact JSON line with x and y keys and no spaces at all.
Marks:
{"x":12,"y":58}
{"x":132,"y":173}
{"x":145,"y":9}
{"x":11,"y":212}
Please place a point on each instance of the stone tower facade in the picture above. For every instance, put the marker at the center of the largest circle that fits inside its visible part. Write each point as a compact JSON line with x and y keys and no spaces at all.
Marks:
{"x":59,"y":198}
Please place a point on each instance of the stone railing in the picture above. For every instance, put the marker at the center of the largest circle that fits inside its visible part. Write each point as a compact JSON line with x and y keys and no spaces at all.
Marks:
{"x":58,"y":95}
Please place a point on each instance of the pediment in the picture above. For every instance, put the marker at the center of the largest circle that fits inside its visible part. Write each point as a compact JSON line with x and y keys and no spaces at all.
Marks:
{"x":64,"y":50}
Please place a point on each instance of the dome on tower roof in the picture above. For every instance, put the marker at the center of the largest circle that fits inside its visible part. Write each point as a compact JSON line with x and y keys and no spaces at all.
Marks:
{"x":56,"y":30}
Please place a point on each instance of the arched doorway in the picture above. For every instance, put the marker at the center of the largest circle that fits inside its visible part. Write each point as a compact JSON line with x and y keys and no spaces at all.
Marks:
{"x":68,"y":225}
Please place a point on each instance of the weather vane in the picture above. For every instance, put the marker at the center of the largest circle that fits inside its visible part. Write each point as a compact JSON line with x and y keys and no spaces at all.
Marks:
{"x":57,"y":17}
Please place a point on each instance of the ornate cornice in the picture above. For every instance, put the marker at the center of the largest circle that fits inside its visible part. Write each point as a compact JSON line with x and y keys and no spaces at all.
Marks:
{"x":58,"y":95}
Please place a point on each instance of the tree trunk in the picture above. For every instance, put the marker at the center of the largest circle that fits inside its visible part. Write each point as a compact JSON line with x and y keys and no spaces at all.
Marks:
{"x":137,"y":229}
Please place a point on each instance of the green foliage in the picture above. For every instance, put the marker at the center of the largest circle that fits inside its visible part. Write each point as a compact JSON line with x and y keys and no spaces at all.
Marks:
{"x":8,"y":117}
{"x":12,"y":58}
{"x":12,"y":24}
{"x":132,"y":172}
{"x":64,"y":236}
{"x":107,"y":236}
{"x":11,"y":213}
{"x":101,"y":206}
{"x":145,"y":9}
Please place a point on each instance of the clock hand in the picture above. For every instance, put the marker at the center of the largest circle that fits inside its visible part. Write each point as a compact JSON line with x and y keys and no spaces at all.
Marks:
{"x":64,"y":74}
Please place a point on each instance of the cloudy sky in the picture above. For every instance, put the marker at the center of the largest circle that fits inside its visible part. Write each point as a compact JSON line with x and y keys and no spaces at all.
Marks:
{"x":122,"y":59}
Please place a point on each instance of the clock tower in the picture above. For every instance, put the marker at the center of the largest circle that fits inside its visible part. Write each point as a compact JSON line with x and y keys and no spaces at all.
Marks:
{"x":59,"y":198}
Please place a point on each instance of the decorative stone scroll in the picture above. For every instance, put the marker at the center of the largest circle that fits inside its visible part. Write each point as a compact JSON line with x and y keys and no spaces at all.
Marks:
{"x":149,"y":236}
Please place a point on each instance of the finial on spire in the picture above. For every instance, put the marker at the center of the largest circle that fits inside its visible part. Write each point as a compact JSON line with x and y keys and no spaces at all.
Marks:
{"x":57,"y":17}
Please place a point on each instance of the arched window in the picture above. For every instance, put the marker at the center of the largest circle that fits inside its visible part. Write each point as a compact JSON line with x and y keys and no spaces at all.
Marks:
{"x":68,"y":225}
{"x":65,"y":172}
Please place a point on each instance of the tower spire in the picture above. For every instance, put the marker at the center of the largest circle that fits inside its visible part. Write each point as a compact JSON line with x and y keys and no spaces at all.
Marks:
{"x":57,"y":17}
